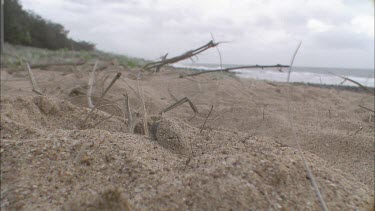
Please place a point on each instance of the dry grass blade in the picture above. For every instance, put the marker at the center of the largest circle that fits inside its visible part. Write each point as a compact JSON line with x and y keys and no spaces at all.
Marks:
{"x":170,"y":92}
{"x":131,"y":88}
{"x":118,"y":75}
{"x":143,"y":106}
{"x":218,"y":51}
{"x":145,"y":126}
{"x":91,"y":83}
{"x":32,"y":79}
{"x":307,"y":168}
{"x":212,"y":106}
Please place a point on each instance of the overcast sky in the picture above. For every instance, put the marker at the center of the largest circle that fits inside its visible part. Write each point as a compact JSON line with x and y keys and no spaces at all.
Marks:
{"x":334,"y":33}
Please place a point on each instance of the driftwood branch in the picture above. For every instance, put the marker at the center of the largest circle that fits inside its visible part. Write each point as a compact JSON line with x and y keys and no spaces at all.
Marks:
{"x":163,"y":58}
{"x":32,"y":79}
{"x":186,"y":55}
{"x":91,"y":83}
{"x":355,"y":82}
{"x":180,"y":102}
{"x":234,"y":68}
{"x":101,"y":97}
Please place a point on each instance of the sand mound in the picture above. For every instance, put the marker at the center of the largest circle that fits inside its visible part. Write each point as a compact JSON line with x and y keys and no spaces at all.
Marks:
{"x":49,"y":163}
{"x":45,"y":113}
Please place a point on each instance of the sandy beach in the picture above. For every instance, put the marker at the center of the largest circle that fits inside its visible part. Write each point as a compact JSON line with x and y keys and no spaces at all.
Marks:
{"x":245,"y":156}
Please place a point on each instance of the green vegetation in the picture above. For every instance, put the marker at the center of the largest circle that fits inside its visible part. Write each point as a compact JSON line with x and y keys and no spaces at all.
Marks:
{"x":27,"y":28}
{"x":12,"y":53}
{"x":31,"y":38}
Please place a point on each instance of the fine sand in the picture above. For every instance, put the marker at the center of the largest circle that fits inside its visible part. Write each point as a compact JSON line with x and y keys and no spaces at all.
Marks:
{"x":244,"y":158}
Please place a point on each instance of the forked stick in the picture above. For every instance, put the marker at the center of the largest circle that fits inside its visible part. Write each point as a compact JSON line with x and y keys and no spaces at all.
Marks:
{"x":178,"y":103}
{"x":164,"y":61}
{"x":91,"y":83}
{"x":32,"y":79}
{"x":101,"y":97}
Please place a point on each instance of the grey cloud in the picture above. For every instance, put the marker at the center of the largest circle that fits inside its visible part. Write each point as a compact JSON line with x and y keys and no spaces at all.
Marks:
{"x":260,"y":33}
{"x":342,"y":39}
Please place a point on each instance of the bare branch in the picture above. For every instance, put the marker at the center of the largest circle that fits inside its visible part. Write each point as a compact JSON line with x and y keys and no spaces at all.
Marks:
{"x":233,"y":68}
{"x":355,"y":82}
{"x":181,"y":57}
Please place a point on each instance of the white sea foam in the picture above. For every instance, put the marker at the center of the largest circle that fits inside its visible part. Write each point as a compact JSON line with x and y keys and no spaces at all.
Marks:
{"x":304,"y":77}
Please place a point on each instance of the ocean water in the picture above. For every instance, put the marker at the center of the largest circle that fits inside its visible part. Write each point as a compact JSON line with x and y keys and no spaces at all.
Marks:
{"x":314,"y":75}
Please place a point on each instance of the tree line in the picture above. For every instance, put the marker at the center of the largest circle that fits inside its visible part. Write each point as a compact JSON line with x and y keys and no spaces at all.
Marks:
{"x":27,"y":28}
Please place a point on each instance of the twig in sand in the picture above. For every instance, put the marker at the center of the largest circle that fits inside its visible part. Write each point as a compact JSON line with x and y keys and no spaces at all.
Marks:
{"x":264,"y":108}
{"x":32,"y":79}
{"x":140,"y":91}
{"x":91,"y":83}
{"x":127,"y":108}
{"x":307,"y":168}
{"x":101,"y":97}
{"x":357,"y":131}
{"x":178,"y":103}
{"x":129,"y":115}
{"x":212,"y":106}
{"x":367,"y":108}
{"x":170,"y":92}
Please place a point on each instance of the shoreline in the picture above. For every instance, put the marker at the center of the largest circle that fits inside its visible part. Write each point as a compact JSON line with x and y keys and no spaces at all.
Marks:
{"x":355,"y":88}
